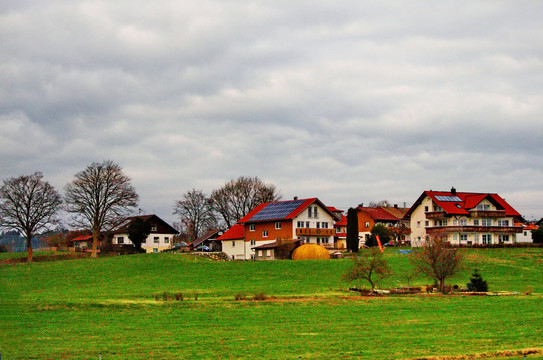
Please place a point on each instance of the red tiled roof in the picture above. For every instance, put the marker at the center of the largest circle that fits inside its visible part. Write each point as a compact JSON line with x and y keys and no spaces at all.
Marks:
{"x":343,"y":221}
{"x":236,"y":232}
{"x":467,"y":202}
{"x":531,"y":226}
{"x":82,"y":238}
{"x":378,"y":213}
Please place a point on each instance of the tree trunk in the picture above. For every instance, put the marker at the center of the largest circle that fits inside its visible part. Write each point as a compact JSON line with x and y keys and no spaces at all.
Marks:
{"x":95,"y":235}
{"x":29,"y":248}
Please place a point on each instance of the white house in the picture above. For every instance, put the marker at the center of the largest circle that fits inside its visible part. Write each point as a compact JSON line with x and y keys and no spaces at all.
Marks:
{"x":463,"y":218}
{"x":160,"y":238}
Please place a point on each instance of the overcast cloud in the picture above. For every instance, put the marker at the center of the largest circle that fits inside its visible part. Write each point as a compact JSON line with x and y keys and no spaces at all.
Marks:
{"x":349,"y":102}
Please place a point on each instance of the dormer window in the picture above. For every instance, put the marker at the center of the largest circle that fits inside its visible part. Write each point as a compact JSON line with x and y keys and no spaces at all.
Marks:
{"x":153,"y":227}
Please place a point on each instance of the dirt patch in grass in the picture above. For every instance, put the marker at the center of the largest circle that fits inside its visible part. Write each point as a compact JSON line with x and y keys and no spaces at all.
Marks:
{"x":489,"y":355}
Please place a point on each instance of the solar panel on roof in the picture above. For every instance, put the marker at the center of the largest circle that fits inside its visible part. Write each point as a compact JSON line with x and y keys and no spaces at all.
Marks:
{"x":448,"y":198}
{"x":277,"y":210}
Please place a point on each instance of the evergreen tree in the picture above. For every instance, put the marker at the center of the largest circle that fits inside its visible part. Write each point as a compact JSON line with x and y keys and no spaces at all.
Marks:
{"x":477,"y":283}
{"x":352,"y":230}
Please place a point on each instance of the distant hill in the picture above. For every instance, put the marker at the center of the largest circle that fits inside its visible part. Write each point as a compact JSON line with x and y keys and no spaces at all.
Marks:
{"x":16,"y":243}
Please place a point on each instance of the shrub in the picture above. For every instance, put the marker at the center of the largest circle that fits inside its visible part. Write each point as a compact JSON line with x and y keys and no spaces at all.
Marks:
{"x":259,"y":296}
{"x":477,"y":283}
{"x":239,"y":296}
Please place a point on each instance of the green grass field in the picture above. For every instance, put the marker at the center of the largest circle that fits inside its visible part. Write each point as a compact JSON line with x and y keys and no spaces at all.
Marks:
{"x":78,"y":309}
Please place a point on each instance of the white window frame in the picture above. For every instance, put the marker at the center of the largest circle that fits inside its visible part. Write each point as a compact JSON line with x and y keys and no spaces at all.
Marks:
{"x":264,"y":233}
{"x":252,"y":227}
{"x":277,"y":225}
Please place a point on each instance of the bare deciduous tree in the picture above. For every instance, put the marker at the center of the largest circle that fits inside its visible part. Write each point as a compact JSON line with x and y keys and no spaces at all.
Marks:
{"x":196,"y":213}
{"x":238,"y":197}
{"x":100,"y":197}
{"x":384,"y":203}
{"x":438,"y":260}
{"x":370,"y":266}
{"x":29,"y":205}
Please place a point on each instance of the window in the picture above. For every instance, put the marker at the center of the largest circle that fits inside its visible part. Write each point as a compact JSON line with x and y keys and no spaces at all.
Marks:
{"x":367,"y":224}
{"x":300,"y":224}
{"x":324,"y":225}
{"x":476,"y":238}
{"x":318,"y":225}
{"x":503,"y":222}
{"x":252,"y":227}
{"x":120,"y":240}
{"x":234,"y":243}
{"x":278,"y":225}
{"x":253,"y":242}
{"x":487,"y":238}
{"x":153,"y":227}
{"x":503,"y":238}
{"x":475,"y":222}
{"x":268,"y":253}
{"x":155,"y":239}
{"x":155,"y":250}
{"x":483,"y":207}
{"x":315,"y":214}
{"x":307,"y":224}
{"x":463,"y":222}
{"x":486,"y":222}
{"x":426,"y":223}
{"x":426,"y":209}
{"x":463,"y":237}
{"x":167,"y":240}
{"x":455,"y":222}
{"x":455,"y":237}
{"x":264,"y":233}
{"x":310,"y":212}
{"x":418,"y":224}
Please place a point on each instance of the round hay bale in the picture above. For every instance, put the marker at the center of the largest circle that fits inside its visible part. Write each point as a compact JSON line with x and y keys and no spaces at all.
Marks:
{"x":310,"y":252}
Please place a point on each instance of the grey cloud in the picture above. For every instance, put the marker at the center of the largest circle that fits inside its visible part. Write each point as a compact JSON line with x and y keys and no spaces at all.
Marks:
{"x":350,"y":102}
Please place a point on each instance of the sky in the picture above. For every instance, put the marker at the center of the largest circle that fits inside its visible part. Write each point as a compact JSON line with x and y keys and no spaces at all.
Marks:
{"x":350,"y":102}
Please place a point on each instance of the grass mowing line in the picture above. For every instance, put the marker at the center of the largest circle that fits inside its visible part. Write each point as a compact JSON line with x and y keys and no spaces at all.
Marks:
{"x":489,"y":355}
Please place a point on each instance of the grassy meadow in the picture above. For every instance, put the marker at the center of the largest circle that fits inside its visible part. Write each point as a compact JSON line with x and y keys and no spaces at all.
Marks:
{"x":113,"y":306}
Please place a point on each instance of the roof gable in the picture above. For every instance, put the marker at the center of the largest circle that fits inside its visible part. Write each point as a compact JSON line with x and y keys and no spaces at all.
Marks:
{"x":466,"y":202}
{"x":377,"y":213}
{"x":282,"y":210}
{"x":236,"y":232}
{"x":162,"y":226}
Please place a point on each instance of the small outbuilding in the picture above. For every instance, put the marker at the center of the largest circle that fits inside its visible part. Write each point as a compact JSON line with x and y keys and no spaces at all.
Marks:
{"x":310,"y":252}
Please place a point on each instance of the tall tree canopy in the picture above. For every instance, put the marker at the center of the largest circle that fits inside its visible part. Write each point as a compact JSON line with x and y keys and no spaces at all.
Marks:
{"x":352,"y":230}
{"x":196,"y":213}
{"x":238,"y":197}
{"x":100,"y":197}
{"x":29,"y":205}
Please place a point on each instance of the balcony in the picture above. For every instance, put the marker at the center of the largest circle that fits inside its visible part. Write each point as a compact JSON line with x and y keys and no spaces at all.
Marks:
{"x":435,"y":214}
{"x":487,"y":213}
{"x":473,"y":229}
{"x":315,"y":232}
